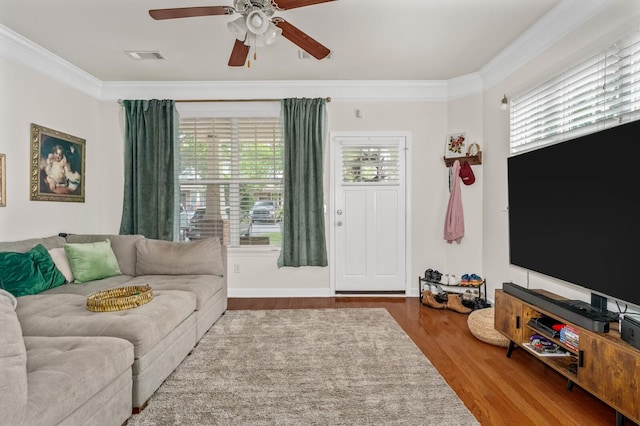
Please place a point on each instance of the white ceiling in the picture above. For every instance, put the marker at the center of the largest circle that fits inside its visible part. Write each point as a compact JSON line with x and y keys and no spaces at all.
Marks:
{"x":369,"y":39}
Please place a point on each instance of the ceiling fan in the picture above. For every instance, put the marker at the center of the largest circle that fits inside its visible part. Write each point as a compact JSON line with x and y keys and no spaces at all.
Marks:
{"x":256,"y":26}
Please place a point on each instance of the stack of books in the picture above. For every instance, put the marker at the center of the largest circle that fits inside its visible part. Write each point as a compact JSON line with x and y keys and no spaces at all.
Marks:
{"x":569,"y":337}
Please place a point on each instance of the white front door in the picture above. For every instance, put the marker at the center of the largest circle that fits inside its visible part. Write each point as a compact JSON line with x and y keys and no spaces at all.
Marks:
{"x":369,"y":220}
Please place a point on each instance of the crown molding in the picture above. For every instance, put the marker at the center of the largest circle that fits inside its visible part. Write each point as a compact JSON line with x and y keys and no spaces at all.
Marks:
{"x":337,"y":90}
{"x":553,"y":26}
{"x":19,"y":49}
{"x":465,"y":85}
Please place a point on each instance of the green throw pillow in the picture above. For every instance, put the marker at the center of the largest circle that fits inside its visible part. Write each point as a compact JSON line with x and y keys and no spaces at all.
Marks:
{"x":92,"y":261}
{"x":19,"y":273}
{"x":51,"y":274}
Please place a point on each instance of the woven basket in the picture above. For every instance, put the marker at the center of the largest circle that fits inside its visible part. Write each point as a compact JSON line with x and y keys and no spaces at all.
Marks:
{"x":119,"y":299}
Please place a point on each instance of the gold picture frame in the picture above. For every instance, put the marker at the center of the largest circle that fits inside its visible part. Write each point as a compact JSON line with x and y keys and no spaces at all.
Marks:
{"x":57,"y":166}
{"x":3,"y":182}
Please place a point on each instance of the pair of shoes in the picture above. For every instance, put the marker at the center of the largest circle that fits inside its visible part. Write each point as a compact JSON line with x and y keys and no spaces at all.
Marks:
{"x":449,"y":279}
{"x":455,"y":304}
{"x":452,"y":302}
{"x":436,"y":289}
{"x":432,"y":275}
{"x":471,"y":280}
{"x":429,"y":299}
{"x":475,"y":280}
{"x":467,"y":296}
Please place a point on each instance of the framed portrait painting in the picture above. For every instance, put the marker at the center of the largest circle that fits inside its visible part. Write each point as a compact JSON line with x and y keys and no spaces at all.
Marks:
{"x":456,"y":145}
{"x":3,"y":183}
{"x":57,"y":166}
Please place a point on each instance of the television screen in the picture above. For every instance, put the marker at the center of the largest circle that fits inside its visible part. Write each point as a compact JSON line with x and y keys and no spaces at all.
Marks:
{"x":573,"y":211}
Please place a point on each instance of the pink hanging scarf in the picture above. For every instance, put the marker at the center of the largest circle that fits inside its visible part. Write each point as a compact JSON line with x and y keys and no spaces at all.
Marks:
{"x":454,"y":220}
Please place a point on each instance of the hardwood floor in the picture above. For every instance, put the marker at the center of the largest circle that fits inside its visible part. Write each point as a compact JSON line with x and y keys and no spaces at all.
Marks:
{"x":499,"y":391}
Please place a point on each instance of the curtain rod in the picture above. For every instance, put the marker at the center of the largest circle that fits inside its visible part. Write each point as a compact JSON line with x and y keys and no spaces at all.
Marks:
{"x":328,"y":99}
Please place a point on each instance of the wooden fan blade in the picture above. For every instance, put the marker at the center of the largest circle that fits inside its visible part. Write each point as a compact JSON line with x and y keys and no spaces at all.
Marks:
{"x":292,"y":4}
{"x":302,"y":39}
{"x":188,"y":12}
{"x":238,"y":54}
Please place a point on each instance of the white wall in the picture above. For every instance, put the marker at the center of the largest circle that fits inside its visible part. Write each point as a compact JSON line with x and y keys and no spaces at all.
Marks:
{"x":576,"y":46}
{"x":30,"y":97}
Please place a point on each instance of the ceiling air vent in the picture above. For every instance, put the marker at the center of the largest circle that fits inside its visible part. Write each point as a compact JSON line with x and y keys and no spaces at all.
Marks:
{"x":304,"y":55}
{"x":144,"y":55}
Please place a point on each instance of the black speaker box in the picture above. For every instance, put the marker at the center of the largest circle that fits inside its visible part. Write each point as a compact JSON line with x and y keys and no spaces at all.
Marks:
{"x":630,"y":331}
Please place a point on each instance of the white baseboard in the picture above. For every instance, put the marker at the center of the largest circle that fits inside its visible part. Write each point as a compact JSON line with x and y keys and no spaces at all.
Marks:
{"x":292,"y":292}
{"x":279,"y":292}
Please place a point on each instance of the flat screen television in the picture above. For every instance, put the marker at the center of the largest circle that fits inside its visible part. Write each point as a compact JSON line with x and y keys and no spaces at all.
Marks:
{"x":574,"y":212}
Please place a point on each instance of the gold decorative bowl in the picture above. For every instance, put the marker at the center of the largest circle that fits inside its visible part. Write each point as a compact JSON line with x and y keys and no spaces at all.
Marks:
{"x":119,"y":299}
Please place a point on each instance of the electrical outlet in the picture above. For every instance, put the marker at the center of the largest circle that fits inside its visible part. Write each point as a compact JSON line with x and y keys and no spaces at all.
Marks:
{"x":236,"y":268}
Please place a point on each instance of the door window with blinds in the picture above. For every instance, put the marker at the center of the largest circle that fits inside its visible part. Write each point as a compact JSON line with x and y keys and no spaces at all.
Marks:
{"x":231,"y":179}
{"x":600,"y":92}
{"x":370,"y":164}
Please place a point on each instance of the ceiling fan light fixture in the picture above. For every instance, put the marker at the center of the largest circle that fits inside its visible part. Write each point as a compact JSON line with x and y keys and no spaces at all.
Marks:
{"x":272,"y":34}
{"x":238,"y":28}
{"x":251,"y":40}
{"x":257,"y":22}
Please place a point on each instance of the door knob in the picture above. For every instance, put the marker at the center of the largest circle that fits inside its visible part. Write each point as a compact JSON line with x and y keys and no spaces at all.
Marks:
{"x":339,"y":223}
{"x":339,"y":212}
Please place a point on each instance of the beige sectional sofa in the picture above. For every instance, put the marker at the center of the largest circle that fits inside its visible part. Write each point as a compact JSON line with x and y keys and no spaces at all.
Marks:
{"x":137,"y":348}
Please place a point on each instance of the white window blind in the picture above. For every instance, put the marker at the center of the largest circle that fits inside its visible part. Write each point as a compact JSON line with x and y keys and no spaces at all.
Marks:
{"x":231,"y":182}
{"x":378,"y":164}
{"x":601,"y":92}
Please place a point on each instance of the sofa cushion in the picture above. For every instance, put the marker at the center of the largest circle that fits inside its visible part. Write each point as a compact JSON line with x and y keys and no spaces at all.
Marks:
{"x":92,"y":287}
{"x":28,"y":273}
{"x":66,"y":372}
{"x":13,"y":364}
{"x":8,"y":299}
{"x":91,"y":261}
{"x":202,"y":286}
{"x":67,"y":315}
{"x":124,"y":247}
{"x":157,"y":257}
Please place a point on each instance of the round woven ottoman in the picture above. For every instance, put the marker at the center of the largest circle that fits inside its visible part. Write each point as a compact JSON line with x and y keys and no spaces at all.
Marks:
{"x":480,"y":324}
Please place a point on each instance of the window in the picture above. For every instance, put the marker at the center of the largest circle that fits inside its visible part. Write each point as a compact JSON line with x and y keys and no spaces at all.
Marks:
{"x":370,"y":164}
{"x":231,"y":179}
{"x":600,"y":92}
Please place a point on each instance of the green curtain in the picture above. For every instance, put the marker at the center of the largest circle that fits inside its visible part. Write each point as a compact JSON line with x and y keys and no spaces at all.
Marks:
{"x":303,"y":233}
{"x":149,"y":167}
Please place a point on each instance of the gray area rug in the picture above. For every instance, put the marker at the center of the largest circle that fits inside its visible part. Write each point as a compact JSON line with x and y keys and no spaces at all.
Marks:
{"x":305,"y":367}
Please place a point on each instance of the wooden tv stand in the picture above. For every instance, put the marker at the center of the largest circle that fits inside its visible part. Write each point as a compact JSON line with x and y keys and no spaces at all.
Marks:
{"x":603,"y":364}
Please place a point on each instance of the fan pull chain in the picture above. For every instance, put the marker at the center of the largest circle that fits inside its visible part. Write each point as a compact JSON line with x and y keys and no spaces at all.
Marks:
{"x":255,"y":58}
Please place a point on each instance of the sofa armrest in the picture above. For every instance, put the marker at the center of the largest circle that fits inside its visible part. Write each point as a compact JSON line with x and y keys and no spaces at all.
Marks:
{"x":13,"y":365}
